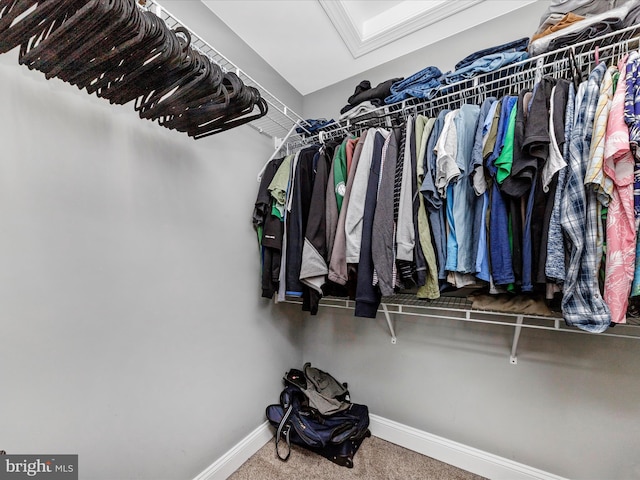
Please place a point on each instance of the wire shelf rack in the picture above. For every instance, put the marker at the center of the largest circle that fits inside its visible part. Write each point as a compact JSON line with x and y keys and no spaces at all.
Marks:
{"x":508,"y":80}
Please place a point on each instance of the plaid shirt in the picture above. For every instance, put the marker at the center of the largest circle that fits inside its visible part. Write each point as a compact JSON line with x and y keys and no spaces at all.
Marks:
{"x":582,"y":303}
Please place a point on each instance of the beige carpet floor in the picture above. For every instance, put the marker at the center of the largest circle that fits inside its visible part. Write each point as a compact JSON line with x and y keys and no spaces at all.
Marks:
{"x":375,"y":460}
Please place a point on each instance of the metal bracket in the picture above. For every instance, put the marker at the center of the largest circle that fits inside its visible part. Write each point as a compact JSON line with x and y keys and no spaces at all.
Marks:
{"x":394,"y":339}
{"x":513,"y":359}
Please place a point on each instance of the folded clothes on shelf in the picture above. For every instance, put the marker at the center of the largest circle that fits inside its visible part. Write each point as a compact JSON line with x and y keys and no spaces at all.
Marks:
{"x":519,"y":45}
{"x":376,"y":102}
{"x":313,"y":125}
{"x":554,"y":23}
{"x":587,"y":29}
{"x":364,"y":91}
{"x":422,"y":84}
{"x":485,"y":64}
{"x":633,"y":17}
{"x":585,"y":8}
{"x":361,"y":109}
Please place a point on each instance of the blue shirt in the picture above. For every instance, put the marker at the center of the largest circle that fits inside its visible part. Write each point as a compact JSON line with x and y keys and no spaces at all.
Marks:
{"x":499,"y":245}
{"x":481,"y":202}
{"x":463,"y":193}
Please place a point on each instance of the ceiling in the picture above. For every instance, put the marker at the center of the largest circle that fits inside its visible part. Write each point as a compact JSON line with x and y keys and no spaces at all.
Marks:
{"x":316,"y":43}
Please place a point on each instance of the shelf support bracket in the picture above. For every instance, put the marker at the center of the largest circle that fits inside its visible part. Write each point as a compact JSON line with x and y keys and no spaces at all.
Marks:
{"x":513,"y":359}
{"x":392,"y":330}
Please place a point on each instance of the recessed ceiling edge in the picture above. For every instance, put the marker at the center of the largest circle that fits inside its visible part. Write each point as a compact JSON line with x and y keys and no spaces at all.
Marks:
{"x":359,"y":46}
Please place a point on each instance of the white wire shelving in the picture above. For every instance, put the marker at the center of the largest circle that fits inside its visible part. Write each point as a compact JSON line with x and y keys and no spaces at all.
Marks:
{"x":280,"y":124}
{"x":460,"y":309}
{"x":507,"y":80}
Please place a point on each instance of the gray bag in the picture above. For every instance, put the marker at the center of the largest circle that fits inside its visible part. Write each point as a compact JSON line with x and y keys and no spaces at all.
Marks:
{"x":324,"y":392}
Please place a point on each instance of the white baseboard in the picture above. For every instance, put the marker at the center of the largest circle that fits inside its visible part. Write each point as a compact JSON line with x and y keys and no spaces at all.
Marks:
{"x":462,"y":456}
{"x":240,"y":453}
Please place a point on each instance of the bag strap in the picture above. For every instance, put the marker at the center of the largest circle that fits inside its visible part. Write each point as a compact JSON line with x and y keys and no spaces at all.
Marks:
{"x":283,"y":429}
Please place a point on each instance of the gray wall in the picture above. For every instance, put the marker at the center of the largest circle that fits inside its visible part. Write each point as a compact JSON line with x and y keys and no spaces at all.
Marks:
{"x":326,"y":103}
{"x":569,"y":407}
{"x":132,"y":332}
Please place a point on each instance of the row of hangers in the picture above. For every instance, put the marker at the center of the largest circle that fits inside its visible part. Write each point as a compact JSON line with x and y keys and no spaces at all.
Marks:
{"x":121,"y":53}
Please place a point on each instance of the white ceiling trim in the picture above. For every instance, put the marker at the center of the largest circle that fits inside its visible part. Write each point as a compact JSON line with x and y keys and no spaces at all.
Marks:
{"x":359,"y":44}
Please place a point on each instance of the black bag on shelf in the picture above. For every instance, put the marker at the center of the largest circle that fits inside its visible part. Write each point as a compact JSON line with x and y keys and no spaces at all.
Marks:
{"x":336,"y":436}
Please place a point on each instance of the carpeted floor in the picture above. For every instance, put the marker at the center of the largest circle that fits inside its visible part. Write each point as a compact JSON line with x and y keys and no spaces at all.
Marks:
{"x":375,"y":460}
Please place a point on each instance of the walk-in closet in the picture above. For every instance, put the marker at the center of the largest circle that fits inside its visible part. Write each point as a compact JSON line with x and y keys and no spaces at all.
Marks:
{"x":435,"y":202}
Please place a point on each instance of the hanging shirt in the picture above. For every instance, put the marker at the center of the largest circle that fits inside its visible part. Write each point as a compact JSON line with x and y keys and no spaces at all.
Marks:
{"x":418,"y":255}
{"x":282,"y":278}
{"x":446,"y":149}
{"x":499,"y":244}
{"x":525,"y":268}
{"x":545,"y":194}
{"x":621,"y":229}
{"x":523,"y":166}
{"x":298,"y":215}
{"x":447,"y":170}
{"x":331,"y":207}
{"x":355,"y":212}
{"x":351,"y":147}
{"x":505,"y":160}
{"x":555,"y":262}
{"x":313,"y":271}
{"x":555,"y":162}
{"x":536,"y":143}
{"x":463,"y":193}
{"x":632,"y":119}
{"x":269,"y":229}
{"x":481,"y":201}
{"x":632,"y":98}
{"x":340,"y":173}
{"x":433,"y":200}
{"x":338,"y":270}
{"x":382,"y":243}
{"x":563,"y":106}
{"x":405,"y":233}
{"x":595,"y":177}
{"x":493,"y":119}
{"x":368,"y":296}
{"x":582,"y":304}
{"x":279,"y":184}
{"x":430,"y":289}
{"x":400,"y":271}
